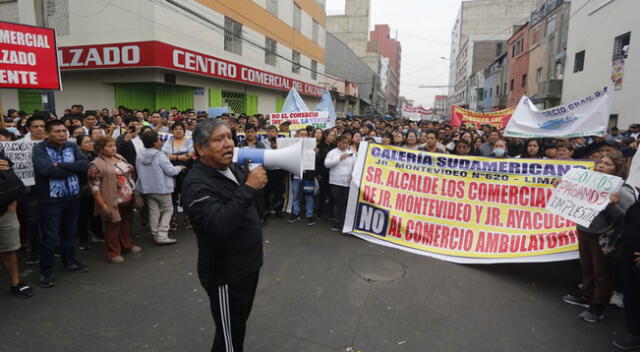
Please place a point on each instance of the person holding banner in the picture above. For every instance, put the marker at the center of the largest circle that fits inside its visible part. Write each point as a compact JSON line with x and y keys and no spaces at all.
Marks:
{"x":597,"y":277}
{"x":340,"y":162}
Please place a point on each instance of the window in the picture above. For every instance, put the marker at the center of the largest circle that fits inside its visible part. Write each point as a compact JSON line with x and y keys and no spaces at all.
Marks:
{"x":314,"y":69}
{"x":498,"y":49}
{"x":232,"y":36}
{"x":513,"y":50}
{"x":524,"y":81}
{"x":272,"y":7}
{"x":621,"y":46}
{"x":270,"y":48}
{"x":315,"y":31}
{"x":539,"y":75}
{"x":295,"y":65}
{"x":578,"y":62}
{"x":551,"y":25}
{"x":297,"y":17}
{"x":504,"y":88}
{"x":490,"y":92}
{"x":511,"y":84}
{"x":498,"y":90}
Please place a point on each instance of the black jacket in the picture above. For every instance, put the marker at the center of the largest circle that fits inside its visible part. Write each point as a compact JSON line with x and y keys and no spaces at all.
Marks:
{"x":226,"y":222}
{"x":631,"y":233}
{"x":126,"y":149}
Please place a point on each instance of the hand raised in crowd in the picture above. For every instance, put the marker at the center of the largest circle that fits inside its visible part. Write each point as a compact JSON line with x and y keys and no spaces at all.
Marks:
{"x":257,"y":178}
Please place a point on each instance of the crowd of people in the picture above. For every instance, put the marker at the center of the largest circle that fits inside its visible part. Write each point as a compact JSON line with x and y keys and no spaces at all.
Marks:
{"x":95,"y":169}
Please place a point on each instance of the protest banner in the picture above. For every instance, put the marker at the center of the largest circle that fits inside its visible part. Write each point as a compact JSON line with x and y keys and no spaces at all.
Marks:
{"x":497,"y":119}
{"x":582,"y":194}
{"x":588,"y":116}
{"x":261,"y":136}
{"x":19,"y":152}
{"x":416,"y":113}
{"x":634,"y":171}
{"x":308,"y":150}
{"x":459,"y":208}
{"x":301,"y":119}
{"x":28,"y":57}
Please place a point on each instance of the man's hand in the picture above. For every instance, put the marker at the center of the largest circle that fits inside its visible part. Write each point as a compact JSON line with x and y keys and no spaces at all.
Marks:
{"x":615,"y":197}
{"x":257,"y":178}
{"x":344,"y":156}
{"x":4,"y":165}
{"x":637,"y":258}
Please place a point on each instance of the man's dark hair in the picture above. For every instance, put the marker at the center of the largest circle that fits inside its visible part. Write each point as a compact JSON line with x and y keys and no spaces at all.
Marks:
{"x":149,"y":138}
{"x":5,"y":132}
{"x":36,"y":117}
{"x":48,"y":126}
{"x":249,"y":127}
{"x":342,"y":138}
{"x":130,"y":118}
{"x":90,"y":113}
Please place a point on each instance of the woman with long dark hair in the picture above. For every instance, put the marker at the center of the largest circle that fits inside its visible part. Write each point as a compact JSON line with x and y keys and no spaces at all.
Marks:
{"x":180,"y":151}
{"x":323,"y":199}
{"x":532,"y":149}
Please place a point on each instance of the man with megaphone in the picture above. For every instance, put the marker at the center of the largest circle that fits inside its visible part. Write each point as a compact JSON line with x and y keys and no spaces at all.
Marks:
{"x":220,"y":199}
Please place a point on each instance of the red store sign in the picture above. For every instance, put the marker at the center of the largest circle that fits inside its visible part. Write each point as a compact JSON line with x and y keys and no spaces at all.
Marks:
{"x":28,"y":57}
{"x":158,"y":54}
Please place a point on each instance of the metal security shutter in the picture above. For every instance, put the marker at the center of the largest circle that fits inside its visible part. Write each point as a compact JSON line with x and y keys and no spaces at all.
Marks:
{"x":235,"y":101}
{"x":136,"y":96}
{"x":29,"y":100}
{"x":170,"y":96}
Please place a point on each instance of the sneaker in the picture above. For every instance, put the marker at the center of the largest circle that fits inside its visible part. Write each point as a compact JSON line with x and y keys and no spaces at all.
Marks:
{"x":21,"y":290}
{"x":76,"y":267}
{"x":135,"y":250}
{"x":591,"y":316}
{"x":85,"y":246}
{"x":616,"y":299}
{"x":575,"y":300}
{"x":336,"y":227}
{"x":47,"y":281}
{"x":294,"y":218}
{"x":32,"y":260}
{"x":627,"y":342}
{"x":166,"y":241}
{"x":311,"y":221}
{"x":117,"y":260}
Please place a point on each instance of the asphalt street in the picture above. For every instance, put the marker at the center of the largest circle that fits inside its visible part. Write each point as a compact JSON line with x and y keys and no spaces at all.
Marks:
{"x":319,"y":291}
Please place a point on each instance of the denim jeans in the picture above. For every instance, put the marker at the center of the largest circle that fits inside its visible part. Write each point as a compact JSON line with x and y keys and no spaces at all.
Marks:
{"x":308,"y":196}
{"x":59,"y":224}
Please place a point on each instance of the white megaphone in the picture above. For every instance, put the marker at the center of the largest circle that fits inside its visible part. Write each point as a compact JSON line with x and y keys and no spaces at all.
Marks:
{"x":289,"y":158}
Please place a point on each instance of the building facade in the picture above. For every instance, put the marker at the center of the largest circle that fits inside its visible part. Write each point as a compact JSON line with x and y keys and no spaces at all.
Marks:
{"x":495,"y":85}
{"x":549,"y":27}
{"x":185,"y":53}
{"x":390,"y":48}
{"x":601,"y":43}
{"x":493,"y":18}
{"x":518,"y":63}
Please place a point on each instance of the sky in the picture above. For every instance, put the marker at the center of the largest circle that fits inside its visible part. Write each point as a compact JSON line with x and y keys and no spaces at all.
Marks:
{"x":424,"y":31}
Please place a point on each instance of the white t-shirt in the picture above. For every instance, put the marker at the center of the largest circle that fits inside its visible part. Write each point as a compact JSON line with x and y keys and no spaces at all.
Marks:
{"x":137,"y":143}
{"x":228,"y":174}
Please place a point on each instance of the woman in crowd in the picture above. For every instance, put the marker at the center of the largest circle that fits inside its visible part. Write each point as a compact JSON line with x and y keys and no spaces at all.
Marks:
{"x":411,"y":140}
{"x":565,"y":150}
{"x":477,"y":142}
{"x":318,"y":134}
{"x":398,"y":139}
{"x":111,"y":179}
{"x":180,"y":151}
{"x":340,"y":161}
{"x":355,"y":142}
{"x":323,"y":200}
{"x":308,"y":186}
{"x":96,"y":132}
{"x":463,"y":147}
{"x":499,"y":149}
{"x":597,"y":278}
{"x":532,"y":149}
{"x":387,"y":138}
{"x":87,"y":222}
{"x":155,"y":183}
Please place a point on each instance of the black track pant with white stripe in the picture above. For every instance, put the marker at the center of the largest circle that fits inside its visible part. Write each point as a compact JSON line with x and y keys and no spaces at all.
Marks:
{"x":230,"y":306}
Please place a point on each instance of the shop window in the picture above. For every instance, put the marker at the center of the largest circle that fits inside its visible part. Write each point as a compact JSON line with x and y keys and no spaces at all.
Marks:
{"x":270,"y":47}
{"x":578,"y":62}
{"x":297,"y":17}
{"x":621,"y":46}
{"x":295,"y":62}
{"x":314,"y":69}
{"x":272,"y":7}
{"x":232,"y":36}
